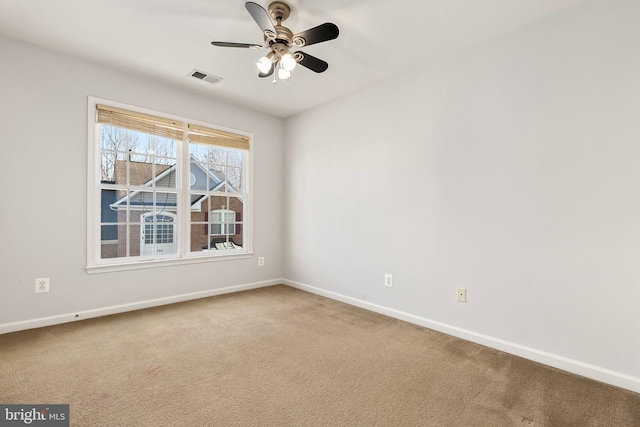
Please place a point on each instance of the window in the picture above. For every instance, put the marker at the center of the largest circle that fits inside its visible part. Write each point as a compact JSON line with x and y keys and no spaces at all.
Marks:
{"x":164,"y":188}
{"x":223,"y":222}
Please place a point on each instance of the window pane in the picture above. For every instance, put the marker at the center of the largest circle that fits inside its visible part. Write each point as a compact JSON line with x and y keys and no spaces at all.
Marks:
{"x":113,"y":138}
{"x":236,"y":205}
{"x":140,"y":170}
{"x":138,"y":142}
{"x":234,"y":180}
{"x":218,"y":202}
{"x":199,"y":180}
{"x":107,"y":166}
{"x":165,"y":147}
{"x":165,"y":172}
{"x":235,"y":222}
{"x":217,"y":177}
{"x":140,"y":203}
{"x":113,"y":148}
{"x":133,"y":239}
{"x":108,"y":213}
{"x":199,"y":207}
{"x":234,"y":157}
{"x":164,"y":160}
{"x":236,"y":239}
{"x":113,"y":142}
{"x":198,"y":152}
{"x":109,"y":241}
{"x":200,"y":240}
{"x":165,"y":202}
{"x":217,"y":155}
{"x":120,"y":172}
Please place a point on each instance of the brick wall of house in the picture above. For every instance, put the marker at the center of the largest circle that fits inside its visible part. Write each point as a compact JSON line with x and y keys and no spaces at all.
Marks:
{"x":109,"y":249}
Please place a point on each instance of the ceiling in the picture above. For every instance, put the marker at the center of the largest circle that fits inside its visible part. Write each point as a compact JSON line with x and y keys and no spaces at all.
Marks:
{"x":166,"y":39}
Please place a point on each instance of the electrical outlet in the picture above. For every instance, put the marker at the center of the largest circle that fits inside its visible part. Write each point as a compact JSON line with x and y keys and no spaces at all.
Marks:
{"x":462,"y":294}
{"x":388,"y":280}
{"x":261,"y":261}
{"x":42,"y":285}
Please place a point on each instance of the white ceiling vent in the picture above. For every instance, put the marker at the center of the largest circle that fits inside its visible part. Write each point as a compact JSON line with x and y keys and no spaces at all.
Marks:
{"x":201,"y":75}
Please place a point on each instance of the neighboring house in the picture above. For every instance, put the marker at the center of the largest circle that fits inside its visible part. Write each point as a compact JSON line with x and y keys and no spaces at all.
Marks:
{"x":213,"y":218}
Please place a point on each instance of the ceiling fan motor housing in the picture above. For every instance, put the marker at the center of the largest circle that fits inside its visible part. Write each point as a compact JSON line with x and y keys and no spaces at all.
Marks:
{"x":283,"y":35}
{"x":279,"y":11}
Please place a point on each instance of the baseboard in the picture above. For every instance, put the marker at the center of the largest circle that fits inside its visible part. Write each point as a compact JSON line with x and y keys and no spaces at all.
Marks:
{"x":6,"y":328}
{"x":574,"y":366}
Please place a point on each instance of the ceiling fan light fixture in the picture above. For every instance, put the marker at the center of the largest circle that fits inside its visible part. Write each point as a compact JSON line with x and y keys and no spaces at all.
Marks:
{"x":264,"y":63}
{"x":284,"y":74}
{"x":288,"y":62}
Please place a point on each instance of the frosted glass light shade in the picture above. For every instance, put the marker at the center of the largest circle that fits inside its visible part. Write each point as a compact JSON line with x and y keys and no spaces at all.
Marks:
{"x":264,"y":64}
{"x":288,"y":62}
{"x":283,"y":74}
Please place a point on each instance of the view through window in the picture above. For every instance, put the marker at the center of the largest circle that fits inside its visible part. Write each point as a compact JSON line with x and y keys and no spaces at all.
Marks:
{"x":168,"y":188}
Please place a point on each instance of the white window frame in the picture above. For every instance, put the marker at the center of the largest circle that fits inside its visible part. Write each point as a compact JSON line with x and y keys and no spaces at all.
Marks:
{"x":182,"y":225}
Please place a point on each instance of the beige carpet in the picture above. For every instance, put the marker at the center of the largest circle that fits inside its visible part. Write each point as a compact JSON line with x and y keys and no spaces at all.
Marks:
{"x":282,"y":357}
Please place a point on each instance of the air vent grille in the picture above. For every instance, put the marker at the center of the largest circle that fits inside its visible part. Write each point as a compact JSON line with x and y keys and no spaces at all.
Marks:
{"x":201,"y":75}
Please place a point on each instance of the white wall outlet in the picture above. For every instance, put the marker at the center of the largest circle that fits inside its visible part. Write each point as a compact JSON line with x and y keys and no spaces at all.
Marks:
{"x":388,"y":280}
{"x":261,"y":261}
{"x":42,"y":285}
{"x":462,"y":294}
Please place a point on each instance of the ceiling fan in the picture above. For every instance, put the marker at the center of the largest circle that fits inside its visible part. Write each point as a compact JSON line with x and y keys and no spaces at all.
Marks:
{"x":279,"y":40}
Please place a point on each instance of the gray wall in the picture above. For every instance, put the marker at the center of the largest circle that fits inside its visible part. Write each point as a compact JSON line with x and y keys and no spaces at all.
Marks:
{"x":43,"y":182}
{"x":510,"y":169}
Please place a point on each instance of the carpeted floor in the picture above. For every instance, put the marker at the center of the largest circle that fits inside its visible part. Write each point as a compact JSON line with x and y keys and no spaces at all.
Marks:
{"x":282,"y":357}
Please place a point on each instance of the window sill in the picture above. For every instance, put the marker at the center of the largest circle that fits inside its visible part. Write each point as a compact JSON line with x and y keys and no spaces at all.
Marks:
{"x":157,"y":263}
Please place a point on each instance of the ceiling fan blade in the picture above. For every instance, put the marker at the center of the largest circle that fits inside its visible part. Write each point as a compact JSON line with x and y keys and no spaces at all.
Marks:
{"x":230,"y":44}
{"x":261,"y":17}
{"x":321,"y":33}
{"x":268,"y":73}
{"x":311,"y":62}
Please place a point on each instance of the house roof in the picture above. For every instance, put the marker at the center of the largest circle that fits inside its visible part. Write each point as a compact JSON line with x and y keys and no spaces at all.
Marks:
{"x":140,"y":173}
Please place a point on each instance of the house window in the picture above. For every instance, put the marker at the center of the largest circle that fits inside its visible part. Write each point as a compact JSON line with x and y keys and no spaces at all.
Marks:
{"x":164,"y":188}
{"x":223,"y":222}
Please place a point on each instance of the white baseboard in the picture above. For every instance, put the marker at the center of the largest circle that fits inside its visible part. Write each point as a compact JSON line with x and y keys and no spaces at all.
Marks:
{"x":6,"y":328}
{"x":574,"y":366}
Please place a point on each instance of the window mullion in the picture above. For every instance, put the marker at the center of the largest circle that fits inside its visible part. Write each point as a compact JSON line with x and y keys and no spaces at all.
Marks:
{"x":184,"y":195}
